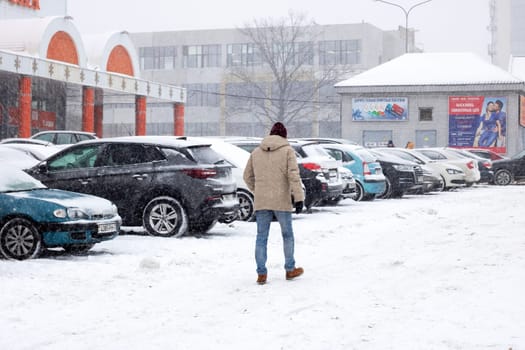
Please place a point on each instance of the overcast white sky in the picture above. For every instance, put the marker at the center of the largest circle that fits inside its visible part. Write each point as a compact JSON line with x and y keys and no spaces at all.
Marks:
{"x":443,"y":25}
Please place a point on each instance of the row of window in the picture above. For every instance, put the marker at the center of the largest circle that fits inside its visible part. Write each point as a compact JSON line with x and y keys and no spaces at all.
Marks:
{"x":239,"y":94}
{"x":332,"y":52}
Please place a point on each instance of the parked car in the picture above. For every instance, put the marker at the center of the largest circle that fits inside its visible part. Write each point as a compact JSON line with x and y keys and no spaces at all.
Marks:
{"x":21,"y":140}
{"x":319,"y":173}
{"x":468,"y":166}
{"x":237,"y":158}
{"x":34,"y":217}
{"x":368,"y":174}
{"x":452,"y":176}
{"x":402,"y":176}
{"x":349,"y":183}
{"x":485,"y":153}
{"x":63,"y":137}
{"x":484,"y":165}
{"x":316,"y":184}
{"x":169,"y":186}
{"x":506,"y":171}
{"x":432,"y":180}
{"x":20,"y":159}
{"x":39,"y":152}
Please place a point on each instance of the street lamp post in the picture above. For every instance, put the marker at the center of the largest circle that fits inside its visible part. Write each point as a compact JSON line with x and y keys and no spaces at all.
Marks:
{"x":407,"y":12}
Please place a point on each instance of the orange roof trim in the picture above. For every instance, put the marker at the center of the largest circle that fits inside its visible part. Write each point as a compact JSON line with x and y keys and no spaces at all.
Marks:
{"x":119,"y":61}
{"x":62,"y":48}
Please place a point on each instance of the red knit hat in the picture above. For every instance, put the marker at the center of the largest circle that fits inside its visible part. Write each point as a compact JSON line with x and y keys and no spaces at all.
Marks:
{"x":279,"y":129}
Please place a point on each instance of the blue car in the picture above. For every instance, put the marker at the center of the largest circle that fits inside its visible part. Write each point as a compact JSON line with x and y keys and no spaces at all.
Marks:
{"x":34,"y":217}
{"x":368,"y":174}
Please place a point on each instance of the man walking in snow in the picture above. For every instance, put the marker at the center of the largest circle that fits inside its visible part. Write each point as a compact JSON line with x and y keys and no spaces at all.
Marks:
{"x":272,"y":175}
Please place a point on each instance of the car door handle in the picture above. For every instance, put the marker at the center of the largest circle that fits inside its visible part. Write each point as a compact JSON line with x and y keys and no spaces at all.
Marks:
{"x":84,"y":181}
{"x":140,"y":177}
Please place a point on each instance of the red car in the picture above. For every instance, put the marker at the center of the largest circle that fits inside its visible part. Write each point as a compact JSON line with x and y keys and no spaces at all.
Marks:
{"x":485,"y":153}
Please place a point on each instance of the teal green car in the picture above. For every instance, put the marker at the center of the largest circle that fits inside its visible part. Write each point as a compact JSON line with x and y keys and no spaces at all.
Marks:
{"x":34,"y":217}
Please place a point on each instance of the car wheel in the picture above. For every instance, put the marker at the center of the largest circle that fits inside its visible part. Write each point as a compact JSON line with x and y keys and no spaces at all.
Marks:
{"x":387,"y":193}
{"x":503,"y":177}
{"x":443,"y":186}
{"x":359,"y":192}
{"x":246,"y":206}
{"x":19,"y":239}
{"x":201,"y":226}
{"x":165,"y":217}
{"x":77,"y":249}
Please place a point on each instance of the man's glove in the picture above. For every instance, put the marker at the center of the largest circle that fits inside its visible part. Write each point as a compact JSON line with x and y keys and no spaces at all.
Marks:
{"x":298,"y":207}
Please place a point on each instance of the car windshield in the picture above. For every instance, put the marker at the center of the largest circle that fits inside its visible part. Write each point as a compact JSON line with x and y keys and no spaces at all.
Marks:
{"x":14,"y":180}
{"x":365,"y":155}
{"x":315,"y":150}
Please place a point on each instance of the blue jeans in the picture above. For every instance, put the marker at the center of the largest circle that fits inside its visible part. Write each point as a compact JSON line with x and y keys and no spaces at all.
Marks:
{"x":264,"y":219}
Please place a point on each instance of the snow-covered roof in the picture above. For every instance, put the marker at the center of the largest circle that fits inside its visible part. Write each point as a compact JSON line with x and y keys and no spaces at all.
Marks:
{"x":433,"y":69}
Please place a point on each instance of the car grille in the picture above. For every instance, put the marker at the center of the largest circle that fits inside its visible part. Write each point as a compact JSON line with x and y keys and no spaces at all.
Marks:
{"x":418,"y":171}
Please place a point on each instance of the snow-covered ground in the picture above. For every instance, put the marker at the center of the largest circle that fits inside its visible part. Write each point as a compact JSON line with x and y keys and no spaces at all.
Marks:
{"x":438,"y":271}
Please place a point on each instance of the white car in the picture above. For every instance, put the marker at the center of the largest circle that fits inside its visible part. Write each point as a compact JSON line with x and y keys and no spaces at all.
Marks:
{"x":451,"y":174}
{"x":469,"y":166}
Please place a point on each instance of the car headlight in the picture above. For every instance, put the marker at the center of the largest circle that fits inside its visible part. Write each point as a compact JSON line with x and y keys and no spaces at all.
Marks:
{"x":403,"y":167}
{"x":76,"y":213}
{"x":60,"y":213}
{"x":114,"y":209}
{"x":454,"y":171}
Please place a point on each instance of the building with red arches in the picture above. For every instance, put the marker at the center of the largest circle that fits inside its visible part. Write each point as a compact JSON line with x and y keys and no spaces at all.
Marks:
{"x":53,"y":77}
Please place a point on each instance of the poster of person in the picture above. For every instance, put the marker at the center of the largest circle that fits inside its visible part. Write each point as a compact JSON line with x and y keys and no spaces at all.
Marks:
{"x":380,"y":109}
{"x":478,"y":121}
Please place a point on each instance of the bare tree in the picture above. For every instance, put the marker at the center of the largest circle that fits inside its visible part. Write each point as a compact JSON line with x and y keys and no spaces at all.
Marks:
{"x":278,"y":80}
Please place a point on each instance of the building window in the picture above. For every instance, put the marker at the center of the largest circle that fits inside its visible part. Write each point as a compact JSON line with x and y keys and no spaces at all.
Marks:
{"x":201,"y":56}
{"x":425,"y":114}
{"x":202,"y":95}
{"x":158,"y":57}
{"x":242,"y":55}
{"x":339,"y":52}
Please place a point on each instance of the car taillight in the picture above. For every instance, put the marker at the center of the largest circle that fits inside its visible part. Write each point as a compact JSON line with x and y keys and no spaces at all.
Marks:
{"x":312,"y":166}
{"x":366,"y":169}
{"x":200,"y":173}
{"x":487,"y":165}
{"x":470,"y":165}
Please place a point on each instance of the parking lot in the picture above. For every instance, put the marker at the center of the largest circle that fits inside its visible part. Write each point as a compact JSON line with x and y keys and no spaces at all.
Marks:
{"x":436,"y":271}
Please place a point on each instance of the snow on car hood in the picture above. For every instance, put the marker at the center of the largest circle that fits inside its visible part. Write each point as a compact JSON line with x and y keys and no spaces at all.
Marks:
{"x":89,"y":204}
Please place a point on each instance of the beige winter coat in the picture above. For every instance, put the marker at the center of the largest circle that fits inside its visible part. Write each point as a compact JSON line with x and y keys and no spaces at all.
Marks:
{"x":273,"y":176}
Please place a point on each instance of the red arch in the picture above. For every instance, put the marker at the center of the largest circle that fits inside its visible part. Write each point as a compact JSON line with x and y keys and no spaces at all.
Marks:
{"x":62,"y":48}
{"x":119,"y":61}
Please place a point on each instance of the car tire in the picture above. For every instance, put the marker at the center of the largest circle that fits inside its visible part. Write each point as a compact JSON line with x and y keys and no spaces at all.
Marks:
{"x":503,"y":177}
{"x":165,"y":217}
{"x":359,"y":192}
{"x":443,"y":187}
{"x":77,"y":249}
{"x":387,"y":193}
{"x":246,"y":206}
{"x":20,"y":240}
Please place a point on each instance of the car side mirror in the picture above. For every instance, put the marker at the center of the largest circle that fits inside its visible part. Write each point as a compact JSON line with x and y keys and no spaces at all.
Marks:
{"x":42,"y":168}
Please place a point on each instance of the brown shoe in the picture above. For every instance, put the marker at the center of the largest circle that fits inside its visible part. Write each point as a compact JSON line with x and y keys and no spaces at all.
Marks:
{"x":261,"y":279}
{"x":296,"y":272}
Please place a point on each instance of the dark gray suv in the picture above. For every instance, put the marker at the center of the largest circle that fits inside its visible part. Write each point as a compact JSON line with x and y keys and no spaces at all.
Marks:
{"x":169,"y":186}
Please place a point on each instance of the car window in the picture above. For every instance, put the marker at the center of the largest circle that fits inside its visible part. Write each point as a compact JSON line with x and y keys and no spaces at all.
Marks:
{"x":126,"y":154}
{"x":82,"y":137}
{"x":77,"y":157}
{"x":365,"y":155}
{"x":335,"y":153}
{"x":45,"y":137}
{"x":64,"y":139}
{"x":432,"y":154}
{"x":204,"y":154}
{"x":175,"y":156}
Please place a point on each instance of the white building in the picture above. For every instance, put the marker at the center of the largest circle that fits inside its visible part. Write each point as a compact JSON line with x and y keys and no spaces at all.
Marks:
{"x":507,"y":30}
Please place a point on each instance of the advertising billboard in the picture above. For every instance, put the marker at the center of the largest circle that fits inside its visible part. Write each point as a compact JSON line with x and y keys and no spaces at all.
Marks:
{"x":478,"y":121}
{"x":380,"y":109}
{"x":522,"y":110}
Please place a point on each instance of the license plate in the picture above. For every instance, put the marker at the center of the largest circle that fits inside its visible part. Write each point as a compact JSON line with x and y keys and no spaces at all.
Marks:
{"x":228,"y":197}
{"x":105,"y":228}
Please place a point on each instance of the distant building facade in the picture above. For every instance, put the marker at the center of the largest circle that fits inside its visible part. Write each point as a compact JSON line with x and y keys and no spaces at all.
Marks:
{"x":507,"y":30}
{"x":200,"y":61}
